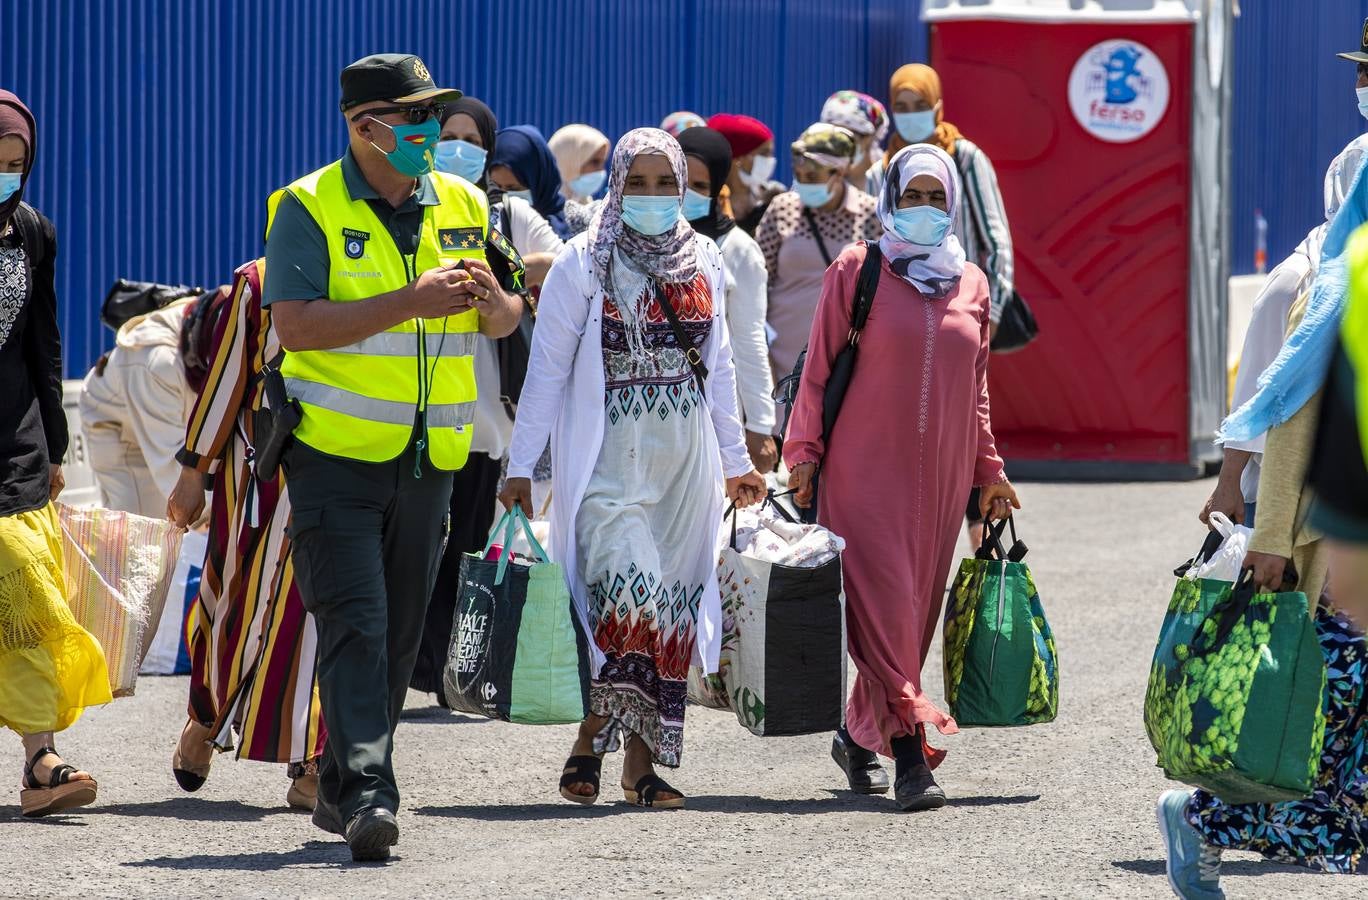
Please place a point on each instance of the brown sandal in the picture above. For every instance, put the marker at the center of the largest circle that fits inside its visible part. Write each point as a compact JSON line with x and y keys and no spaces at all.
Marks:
{"x":191,"y":776}
{"x":61,"y":792}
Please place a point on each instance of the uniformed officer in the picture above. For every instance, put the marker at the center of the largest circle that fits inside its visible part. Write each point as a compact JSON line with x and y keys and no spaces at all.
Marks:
{"x":379,"y":283}
{"x":1360,"y":57}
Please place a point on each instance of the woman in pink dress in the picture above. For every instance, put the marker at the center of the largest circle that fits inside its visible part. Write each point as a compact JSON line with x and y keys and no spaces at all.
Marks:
{"x":912,"y":439}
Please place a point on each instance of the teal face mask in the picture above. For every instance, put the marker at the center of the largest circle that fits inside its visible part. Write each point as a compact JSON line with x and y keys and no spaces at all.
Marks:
{"x":696,"y":205}
{"x":813,"y":195}
{"x":650,"y":215}
{"x":460,"y":158}
{"x":915,"y":127}
{"x":523,"y":195}
{"x":922,"y":225}
{"x":413,"y":147}
{"x":589,"y":184}
{"x":10,"y":182}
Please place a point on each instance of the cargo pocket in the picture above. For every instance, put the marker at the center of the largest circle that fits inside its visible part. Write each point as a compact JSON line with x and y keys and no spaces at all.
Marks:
{"x":312,"y":562}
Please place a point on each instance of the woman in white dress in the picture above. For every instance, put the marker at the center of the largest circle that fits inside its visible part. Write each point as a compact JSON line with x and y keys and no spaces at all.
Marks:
{"x":645,"y":443}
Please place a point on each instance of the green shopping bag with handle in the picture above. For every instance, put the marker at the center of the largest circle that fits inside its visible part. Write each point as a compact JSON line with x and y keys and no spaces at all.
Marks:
{"x":1234,"y":701}
{"x":518,"y":652}
{"x":1001,"y":668}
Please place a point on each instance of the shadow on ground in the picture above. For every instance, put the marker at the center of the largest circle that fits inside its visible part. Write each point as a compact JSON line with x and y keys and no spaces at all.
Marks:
{"x":1238,"y":867}
{"x":311,"y":854}
{"x":193,"y":809}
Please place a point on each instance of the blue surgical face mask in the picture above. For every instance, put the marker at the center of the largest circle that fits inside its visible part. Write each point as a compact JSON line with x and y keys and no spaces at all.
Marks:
{"x":525,"y":195}
{"x":413,"y":146}
{"x":923,"y":225}
{"x":915,"y":127}
{"x":696,"y":205}
{"x":813,"y":195}
{"x":650,"y":215}
{"x":589,"y":184}
{"x":461,"y":158}
{"x":1363,"y":101}
{"x":9,"y":184}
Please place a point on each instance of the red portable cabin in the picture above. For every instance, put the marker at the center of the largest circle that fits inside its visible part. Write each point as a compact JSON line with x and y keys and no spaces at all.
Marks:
{"x":1107,"y":122}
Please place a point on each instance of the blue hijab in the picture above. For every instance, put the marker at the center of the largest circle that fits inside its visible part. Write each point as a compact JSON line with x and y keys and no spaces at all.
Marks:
{"x":1300,"y":368}
{"x":523,"y":149}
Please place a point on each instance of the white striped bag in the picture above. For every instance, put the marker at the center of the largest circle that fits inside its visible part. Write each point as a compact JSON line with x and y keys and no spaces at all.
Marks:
{"x":118,"y":568}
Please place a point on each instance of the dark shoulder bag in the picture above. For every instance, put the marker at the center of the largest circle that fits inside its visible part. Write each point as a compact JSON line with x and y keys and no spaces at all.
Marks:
{"x":695,"y":359}
{"x":30,"y":234}
{"x":817,"y":235}
{"x":1017,"y":326}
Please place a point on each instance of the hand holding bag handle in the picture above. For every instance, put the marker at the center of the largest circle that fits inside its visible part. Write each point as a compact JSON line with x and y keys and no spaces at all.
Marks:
{"x":770,"y":500}
{"x":512,"y":519}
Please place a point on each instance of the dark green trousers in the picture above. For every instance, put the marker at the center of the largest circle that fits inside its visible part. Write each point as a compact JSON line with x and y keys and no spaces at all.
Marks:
{"x":367,"y":541}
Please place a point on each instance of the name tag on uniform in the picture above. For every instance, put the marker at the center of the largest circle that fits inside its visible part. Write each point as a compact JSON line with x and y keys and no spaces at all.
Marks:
{"x":354,"y":242}
{"x":460,"y":238}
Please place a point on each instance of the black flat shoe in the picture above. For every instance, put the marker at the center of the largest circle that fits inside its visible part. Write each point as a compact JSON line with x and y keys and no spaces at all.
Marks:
{"x":371,"y":833}
{"x":916,"y":790}
{"x":861,"y":767}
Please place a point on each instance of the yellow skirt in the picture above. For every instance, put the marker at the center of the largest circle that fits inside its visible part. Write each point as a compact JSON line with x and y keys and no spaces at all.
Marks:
{"x":50,"y":667}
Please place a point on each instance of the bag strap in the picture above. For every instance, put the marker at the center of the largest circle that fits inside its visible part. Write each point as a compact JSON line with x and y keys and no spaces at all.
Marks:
{"x":817,"y":235}
{"x":512,"y":519}
{"x":31,"y":234}
{"x":695,"y":359}
{"x":770,"y":500}
{"x":865,"y":287}
{"x":1209,"y":547}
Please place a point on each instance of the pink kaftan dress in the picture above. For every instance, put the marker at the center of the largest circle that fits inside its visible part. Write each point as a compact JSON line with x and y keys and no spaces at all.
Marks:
{"x":912,"y":439}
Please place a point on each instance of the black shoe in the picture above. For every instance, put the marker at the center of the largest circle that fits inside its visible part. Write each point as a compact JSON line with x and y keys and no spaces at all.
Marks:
{"x":326,"y":816}
{"x":916,"y":790}
{"x":371,"y":833}
{"x":861,"y":766}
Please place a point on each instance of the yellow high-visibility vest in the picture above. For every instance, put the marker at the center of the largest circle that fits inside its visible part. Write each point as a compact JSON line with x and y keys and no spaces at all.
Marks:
{"x":362,"y":401}
{"x":1354,"y":328}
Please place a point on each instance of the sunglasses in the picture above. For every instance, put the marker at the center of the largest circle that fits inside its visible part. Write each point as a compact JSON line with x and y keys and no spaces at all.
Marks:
{"x":414,"y":115}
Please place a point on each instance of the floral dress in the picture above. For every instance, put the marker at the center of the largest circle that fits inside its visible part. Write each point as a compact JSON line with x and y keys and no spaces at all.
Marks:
{"x":640,"y":522}
{"x":1329,"y":829}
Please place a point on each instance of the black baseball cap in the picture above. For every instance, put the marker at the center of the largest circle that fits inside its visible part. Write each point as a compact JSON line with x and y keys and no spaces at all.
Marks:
{"x":1362,"y":55}
{"x":397,"y":77}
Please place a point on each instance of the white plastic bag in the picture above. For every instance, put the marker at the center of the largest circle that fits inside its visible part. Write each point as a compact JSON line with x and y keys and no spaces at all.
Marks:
{"x":1224,"y":564}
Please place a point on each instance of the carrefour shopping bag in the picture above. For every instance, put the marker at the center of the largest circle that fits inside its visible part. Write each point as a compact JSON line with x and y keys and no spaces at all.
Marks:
{"x":1001,"y":667}
{"x":782,"y":664}
{"x":518,"y":652}
{"x":118,"y":569}
{"x":1234,"y":698}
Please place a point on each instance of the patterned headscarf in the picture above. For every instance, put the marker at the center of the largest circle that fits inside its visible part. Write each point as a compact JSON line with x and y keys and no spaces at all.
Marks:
{"x":859,"y":112}
{"x":627,"y":262}
{"x":676,"y":123}
{"x":830,"y":146}
{"x":934,"y":271}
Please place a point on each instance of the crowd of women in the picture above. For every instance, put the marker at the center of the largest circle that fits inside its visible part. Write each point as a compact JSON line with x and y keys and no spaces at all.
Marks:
{"x":673,"y":283}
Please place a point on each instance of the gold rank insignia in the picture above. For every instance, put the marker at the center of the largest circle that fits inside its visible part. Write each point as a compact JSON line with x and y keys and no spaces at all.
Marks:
{"x":460,"y":238}
{"x":420,"y":70}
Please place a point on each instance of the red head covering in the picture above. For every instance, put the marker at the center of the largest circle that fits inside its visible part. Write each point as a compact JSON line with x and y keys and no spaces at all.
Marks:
{"x":742,"y":132}
{"x":15,"y":119}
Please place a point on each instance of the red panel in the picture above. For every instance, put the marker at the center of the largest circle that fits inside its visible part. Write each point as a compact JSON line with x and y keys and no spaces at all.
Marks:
{"x":1101,"y":238}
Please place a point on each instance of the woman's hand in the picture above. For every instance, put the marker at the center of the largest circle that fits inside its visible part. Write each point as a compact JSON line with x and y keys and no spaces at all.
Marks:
{"x":764,"y":455}
{"x":186,"y":503}
{"x":517,"y":491}
{"x":1226,"y":498}
{"x":996,"y":501}
{"x":748,"y":489}
{"x":800,"y":482}
{"x":56,"y":481}
{"x":1268,"y":571}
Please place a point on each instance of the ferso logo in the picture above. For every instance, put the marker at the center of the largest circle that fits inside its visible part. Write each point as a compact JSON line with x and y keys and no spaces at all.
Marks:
{"x":1118,"y":91}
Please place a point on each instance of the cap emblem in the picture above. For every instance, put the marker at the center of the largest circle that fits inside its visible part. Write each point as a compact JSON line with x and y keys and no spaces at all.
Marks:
{"x":421,"y":71}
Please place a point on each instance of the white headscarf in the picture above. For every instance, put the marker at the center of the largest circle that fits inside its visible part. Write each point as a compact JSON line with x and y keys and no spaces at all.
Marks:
{"x":573,"y":146}
{"x":934,"y":271}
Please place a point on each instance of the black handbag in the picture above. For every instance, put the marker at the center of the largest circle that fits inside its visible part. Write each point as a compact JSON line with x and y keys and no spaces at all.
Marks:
{"x":1016,"y":328}
{"x":130,"y":299}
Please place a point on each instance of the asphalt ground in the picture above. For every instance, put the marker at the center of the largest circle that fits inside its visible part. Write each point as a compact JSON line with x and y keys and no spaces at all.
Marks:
{"x":1058,"y":810}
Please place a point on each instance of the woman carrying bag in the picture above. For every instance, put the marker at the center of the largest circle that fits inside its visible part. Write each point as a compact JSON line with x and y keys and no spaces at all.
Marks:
{"x":913,"y":436}
{"x":631,"y":378}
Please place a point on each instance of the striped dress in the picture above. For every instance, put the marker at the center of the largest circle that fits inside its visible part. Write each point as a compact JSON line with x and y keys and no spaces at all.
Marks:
{"x":252,"y":645}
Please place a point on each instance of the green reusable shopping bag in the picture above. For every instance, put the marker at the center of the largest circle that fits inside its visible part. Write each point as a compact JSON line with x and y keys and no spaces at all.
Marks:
{"x":1234,"y":703}
{"x":518,"y":652}
{"x":1001,"y":668}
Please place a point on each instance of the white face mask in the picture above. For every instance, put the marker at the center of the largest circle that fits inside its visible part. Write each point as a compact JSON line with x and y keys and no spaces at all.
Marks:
{"x":1362,"y":101}
{"x":762,"y":169}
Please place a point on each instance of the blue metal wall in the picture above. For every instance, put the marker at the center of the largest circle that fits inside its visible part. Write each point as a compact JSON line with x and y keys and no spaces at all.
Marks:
{"x":164,"y":124}
{"x":1295,"y":109}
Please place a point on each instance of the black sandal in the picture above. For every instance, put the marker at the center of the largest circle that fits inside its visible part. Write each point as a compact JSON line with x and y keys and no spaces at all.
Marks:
{"x":648,"y":787}
{"x":60,"y":793}
{"x":581,"y":770}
